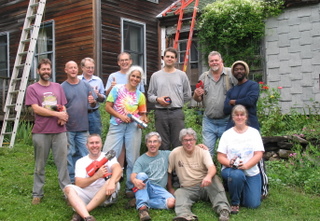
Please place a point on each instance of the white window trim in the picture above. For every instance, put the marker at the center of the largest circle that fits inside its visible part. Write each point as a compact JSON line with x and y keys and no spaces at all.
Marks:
{"x":144,"y":42}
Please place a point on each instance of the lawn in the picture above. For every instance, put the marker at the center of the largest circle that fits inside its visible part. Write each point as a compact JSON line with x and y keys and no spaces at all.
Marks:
{"x":16,"y":172}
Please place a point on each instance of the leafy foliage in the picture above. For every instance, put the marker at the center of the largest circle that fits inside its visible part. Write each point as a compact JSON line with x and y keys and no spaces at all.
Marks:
{"x":235,"y":28}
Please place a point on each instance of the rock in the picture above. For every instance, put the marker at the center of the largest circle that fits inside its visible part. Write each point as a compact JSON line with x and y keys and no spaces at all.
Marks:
{"x":284,"y":154}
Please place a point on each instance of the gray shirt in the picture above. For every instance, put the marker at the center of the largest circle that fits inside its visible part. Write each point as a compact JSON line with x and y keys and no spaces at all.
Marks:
{"x":175,"y":85}
{"x":215,"y":92}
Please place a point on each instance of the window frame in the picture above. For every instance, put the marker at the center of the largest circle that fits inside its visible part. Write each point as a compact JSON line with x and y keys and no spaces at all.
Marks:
{"x":7,"y":44}
{"x":51,"y":52}
{"x":142,"y":25}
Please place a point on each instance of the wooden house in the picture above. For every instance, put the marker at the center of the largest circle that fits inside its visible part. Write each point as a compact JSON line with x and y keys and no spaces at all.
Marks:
{"x":75,"y":29}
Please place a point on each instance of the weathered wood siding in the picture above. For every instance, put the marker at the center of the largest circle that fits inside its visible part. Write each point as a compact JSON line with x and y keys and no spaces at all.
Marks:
{"x":73,"y":29}
{"x":139,"y":10}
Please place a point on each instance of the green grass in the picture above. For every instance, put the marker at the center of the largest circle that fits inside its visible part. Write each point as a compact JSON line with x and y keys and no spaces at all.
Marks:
{"x":16,"y":175}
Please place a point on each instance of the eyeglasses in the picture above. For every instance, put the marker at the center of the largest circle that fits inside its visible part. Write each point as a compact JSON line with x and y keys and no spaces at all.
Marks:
{"x":152,"y":141}
{"x":187,"y":140}
{"x":124,"y":60}
{"x":89,"y":68}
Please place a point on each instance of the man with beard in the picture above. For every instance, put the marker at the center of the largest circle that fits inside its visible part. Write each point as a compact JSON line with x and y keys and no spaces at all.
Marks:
{"x":49,"y":131}
{"x":246,"y":92}
{"x":216,"y":82}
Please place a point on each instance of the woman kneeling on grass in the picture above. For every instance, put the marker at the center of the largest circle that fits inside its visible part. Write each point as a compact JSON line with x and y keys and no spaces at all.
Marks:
{"x":240,"y":149}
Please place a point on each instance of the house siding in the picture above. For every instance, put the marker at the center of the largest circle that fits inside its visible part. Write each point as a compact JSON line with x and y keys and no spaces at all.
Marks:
{"x":292,"y":50}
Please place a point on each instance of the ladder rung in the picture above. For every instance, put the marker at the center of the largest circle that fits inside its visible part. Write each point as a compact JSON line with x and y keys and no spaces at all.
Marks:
{"x":29,"y":28}
{"x":20,"y":66}
{"x":31,"y":17}
{"x":26,"y":41}
{"x":14,"y":92}
{"x":34,"y":5}
{"x":10,"y":119}
{"x":23,"y":53}
{"x":11,"y":105}
{"x":7,"y":133}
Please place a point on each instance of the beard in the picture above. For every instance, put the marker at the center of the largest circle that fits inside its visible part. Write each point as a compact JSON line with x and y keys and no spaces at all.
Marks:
{"x":240,"y":77}
{"x":45,"y":77}
{"x":215,"y":68}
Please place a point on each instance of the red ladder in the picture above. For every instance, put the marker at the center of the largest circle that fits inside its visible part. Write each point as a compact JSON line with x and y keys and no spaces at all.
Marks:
{"x":178,"y":9}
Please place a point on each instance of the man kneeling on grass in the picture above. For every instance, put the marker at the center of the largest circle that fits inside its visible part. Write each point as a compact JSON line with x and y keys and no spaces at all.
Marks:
{"x":150,"y":178}
{"x":90,"y":192}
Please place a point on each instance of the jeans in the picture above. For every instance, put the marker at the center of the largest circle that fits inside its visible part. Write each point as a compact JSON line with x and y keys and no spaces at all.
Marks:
{"x":42,"y":145}
{"x":244,"y":190}
{"x":152,"y":196}
{"x":130,"y":134}
{"x":186,"y":196}
{"x":212,"y":130}
{"x":168,"y":124}
{"x":77,"y":148}
{"x":95,"y":122}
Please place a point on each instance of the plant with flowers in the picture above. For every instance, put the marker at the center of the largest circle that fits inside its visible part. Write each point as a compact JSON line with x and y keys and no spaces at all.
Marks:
{"x":269,"y":111}
{"x":236,"y":27}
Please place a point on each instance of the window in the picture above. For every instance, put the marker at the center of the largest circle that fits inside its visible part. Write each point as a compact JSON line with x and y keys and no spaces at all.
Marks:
{"x":4,"y":55}
{"x":133,"y":41}
{"x":45,"y":47}
{"x":193,"y":53}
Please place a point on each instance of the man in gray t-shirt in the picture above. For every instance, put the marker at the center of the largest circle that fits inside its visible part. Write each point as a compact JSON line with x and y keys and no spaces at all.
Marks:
{"x":169,"y":89}
{"x":215,"y":84}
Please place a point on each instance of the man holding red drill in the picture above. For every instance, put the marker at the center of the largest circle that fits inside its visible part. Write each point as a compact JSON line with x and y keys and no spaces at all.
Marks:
{"x":90,"y":192}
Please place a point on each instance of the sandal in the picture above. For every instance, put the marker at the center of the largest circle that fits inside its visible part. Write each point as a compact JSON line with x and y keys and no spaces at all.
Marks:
{"x":234,"y":209}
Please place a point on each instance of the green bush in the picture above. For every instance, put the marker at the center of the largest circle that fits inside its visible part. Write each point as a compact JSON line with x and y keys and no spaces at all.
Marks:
{"x":235,"y":28}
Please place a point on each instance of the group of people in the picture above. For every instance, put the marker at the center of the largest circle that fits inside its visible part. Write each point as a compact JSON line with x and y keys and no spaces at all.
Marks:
{"x":67,"y":120}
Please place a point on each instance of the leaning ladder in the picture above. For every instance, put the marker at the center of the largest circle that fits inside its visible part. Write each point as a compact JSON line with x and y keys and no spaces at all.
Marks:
{"x":21,"y":71}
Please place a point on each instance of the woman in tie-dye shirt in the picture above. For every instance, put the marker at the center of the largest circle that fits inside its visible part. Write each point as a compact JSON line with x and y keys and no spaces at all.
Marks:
{"x":126,"y":99}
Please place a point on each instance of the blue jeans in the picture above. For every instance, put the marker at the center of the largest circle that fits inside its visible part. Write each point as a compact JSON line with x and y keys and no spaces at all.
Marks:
{"x":130,"y":135}
{"x":95,"y":122}
{"x":152,"y":196}
{"x":244,"y":190}
{"x":212,"y":130}
{"x":76,"y":149}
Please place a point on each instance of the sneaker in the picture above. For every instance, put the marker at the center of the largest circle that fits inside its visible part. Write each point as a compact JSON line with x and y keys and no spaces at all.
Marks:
{"x":76,"y":217}
{"x":36,"y":200}
{"x":144,"y":215}
{"x":224,"y":215}
{"x":89,"y":218}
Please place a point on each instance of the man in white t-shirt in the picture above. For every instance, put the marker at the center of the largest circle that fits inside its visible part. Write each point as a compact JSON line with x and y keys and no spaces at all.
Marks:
{"x":198,"y":181}
{"x":90,"y":192}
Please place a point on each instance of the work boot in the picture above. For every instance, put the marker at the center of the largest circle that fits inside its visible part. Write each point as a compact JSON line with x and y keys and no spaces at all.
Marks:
{"x":36,"y":200}
{"x":144,"y":214}
{"x":76,"y":217}
{"x":224,"y":215}
{"x":89,"y":218}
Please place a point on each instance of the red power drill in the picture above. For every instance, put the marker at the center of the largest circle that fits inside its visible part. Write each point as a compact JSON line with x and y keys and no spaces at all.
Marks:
{"x":135,"y":189}
{"x":200,"y":84}
{"x":57,"y":107}
{"x":95,"y":165}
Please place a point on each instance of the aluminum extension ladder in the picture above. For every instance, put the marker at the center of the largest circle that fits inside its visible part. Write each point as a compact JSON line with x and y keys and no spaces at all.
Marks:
{"x":21,"y":71}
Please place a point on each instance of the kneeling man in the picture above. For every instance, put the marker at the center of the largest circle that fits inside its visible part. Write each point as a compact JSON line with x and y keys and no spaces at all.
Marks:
{"x":197,"y":176}
{"x":90,"y":192}
{"x":150,"y":175}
